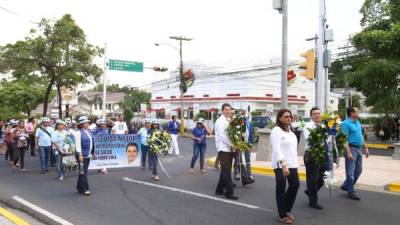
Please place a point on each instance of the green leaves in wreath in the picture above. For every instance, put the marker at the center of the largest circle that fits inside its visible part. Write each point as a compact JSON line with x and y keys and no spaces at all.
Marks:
{"x":236,"y":129}
{"x":159,"y":142}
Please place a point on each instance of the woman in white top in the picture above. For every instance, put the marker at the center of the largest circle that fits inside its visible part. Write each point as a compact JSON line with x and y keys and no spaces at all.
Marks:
{"x":285,"y":164}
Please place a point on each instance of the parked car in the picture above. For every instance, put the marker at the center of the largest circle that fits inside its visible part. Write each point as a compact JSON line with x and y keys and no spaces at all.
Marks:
{"x":261,"y":121}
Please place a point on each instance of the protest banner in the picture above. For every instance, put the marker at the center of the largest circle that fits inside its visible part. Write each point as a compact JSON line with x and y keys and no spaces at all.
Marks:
{"x":115,"y":151}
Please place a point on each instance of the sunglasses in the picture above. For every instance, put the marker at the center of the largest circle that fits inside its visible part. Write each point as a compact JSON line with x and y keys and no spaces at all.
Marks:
{"x":287,"y":117}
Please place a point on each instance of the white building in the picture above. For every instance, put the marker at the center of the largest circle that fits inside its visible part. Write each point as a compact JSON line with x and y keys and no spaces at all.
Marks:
{"x":256,"y":88}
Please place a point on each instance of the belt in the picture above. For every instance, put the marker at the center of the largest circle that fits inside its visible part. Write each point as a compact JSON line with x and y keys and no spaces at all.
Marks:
{"x":355,"y":146}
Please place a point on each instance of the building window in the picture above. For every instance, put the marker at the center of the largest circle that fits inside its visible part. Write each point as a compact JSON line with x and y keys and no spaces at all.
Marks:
{"x":95,"y":106}
{"x":101,"y":106}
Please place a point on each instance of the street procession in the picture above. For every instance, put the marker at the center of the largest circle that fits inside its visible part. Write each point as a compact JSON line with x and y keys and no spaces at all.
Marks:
{"x":100,"y":123}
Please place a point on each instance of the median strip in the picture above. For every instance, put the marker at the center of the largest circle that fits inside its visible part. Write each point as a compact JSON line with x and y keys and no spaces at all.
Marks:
{"x":393,"y":187}
{"x":12,"y":217}
{"x":261,"y":170}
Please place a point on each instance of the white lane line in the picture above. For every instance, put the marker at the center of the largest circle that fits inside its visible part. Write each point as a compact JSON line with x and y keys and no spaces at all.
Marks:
{"x":42,"y":211}
{"x":195,"y":194}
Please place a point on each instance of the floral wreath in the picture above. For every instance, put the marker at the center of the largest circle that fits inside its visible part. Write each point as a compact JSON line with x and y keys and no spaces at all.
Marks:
{"x":330,"y":126}
{"x":236,"y":131}
{"x":159,"y":142}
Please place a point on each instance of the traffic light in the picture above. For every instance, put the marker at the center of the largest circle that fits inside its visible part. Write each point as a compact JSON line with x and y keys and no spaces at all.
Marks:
{"x":160,"y":69}
{"x":308,"y":65}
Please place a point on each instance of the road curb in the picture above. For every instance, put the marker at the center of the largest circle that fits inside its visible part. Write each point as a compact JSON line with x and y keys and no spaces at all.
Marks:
{"x":393,"y":187}
{"x":12,"y":217}
{"x":381,"y":146}
{"x":261,"y":170}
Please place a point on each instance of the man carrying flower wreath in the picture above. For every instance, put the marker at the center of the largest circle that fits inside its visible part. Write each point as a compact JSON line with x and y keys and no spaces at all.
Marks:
{"x":314,"y":170}
{"x":223,"y":145}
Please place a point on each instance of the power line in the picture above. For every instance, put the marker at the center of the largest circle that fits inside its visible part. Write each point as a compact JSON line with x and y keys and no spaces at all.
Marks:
{"x":17,"y":15}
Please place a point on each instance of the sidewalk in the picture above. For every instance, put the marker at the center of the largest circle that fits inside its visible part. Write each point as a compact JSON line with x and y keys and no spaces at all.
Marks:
{"x":379,"y":172}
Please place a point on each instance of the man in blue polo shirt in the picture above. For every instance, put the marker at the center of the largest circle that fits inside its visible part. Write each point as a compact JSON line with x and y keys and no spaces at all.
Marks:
{"x":354,"y":150}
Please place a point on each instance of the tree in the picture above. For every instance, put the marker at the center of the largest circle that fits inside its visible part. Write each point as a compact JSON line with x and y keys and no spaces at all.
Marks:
{"x":375,"y":70}
{"x":132,"y":101}
{"x":22,"y":96}
{"x":56,"y":54}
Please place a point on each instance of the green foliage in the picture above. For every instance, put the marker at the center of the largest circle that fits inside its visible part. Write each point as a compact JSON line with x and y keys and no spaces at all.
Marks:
{"x":20,"y":97}
{"x":318,"y":135}
{"x":112,"y":88}
{"x":376,"y":67}
{"x":355,"y":101}
{"x":132,"y":101}
{"x":236,"y":129}
{"x":200,"y":115}
{"x":55,"y":54}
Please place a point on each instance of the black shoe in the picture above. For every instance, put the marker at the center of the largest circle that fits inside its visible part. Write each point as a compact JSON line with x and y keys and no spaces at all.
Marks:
{"x":246,"y":181}
{"x":233,"y":185}
{"x":219,"y":193}
{"x":315,"y":205}
{"x":354,"y":196}
{"x":231,"y":197}
{"x":306,"y":192}
{"x":237,"y":177}
{"x":343,"y":188}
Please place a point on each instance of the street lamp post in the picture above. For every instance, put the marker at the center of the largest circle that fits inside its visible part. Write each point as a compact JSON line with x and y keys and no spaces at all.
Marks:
{"x":182,"y":85}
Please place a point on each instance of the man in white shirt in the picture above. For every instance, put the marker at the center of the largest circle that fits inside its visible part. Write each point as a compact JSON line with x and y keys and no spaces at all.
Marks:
{"x":120,"y":126}
{"x":225,"y":155}
{"x":314,"y":171}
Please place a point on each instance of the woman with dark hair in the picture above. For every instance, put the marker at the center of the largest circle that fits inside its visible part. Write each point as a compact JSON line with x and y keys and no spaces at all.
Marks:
{"x":84,"y":149}
{"x":285,"y":164}
{"x":21,"y":136}
{"x":153,"y":156}
{"x":30,"y":127}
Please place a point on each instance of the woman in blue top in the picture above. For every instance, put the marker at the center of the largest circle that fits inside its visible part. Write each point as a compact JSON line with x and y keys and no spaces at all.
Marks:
{"x":57,"y":139}
{"x":199,"y":144}
{"x":84,"y":149}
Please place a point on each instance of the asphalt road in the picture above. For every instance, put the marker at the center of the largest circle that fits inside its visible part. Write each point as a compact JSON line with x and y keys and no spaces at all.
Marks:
{"x":129,"y":196}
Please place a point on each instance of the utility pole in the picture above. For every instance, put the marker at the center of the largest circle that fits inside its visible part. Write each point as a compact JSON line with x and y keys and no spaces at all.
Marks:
{"x":282,"y":7}
{"x":182,"y":85}
{"x":321,"y":72}
{"x":104,"y":81}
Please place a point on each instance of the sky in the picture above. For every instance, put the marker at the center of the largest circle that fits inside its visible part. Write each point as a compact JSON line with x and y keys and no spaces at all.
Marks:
{"x":240,"y":32}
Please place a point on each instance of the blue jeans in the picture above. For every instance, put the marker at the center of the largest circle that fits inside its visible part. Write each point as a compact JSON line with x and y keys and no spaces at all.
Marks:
{"x":198,"y":149}
{"x":353,"y":169}
{"x":59,"y":166}
{"x":154,"y":160}
{"x":145,"y":154}
{"x":247,"y":156}
{"x":44,"y":154}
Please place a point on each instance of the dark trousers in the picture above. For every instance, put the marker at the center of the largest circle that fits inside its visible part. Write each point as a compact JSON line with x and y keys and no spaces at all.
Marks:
{"x":83,"y":184}
{"x":145,"y":155}
{"x":10,"y":152}
{"x":31,"y":144}
{"x":20,"y":156}
{"x":285,"y":198}
{"x":154,"y":162}
{"x":198,"y":150}
{"x":314,"y":176}
{"x":225,"y":178}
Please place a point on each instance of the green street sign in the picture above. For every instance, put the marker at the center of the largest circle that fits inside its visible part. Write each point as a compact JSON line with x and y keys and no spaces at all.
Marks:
{"x":123,"y":65}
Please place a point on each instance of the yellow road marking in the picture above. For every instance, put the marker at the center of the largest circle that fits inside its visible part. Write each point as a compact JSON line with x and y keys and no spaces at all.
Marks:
{"x":12,"y":217}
